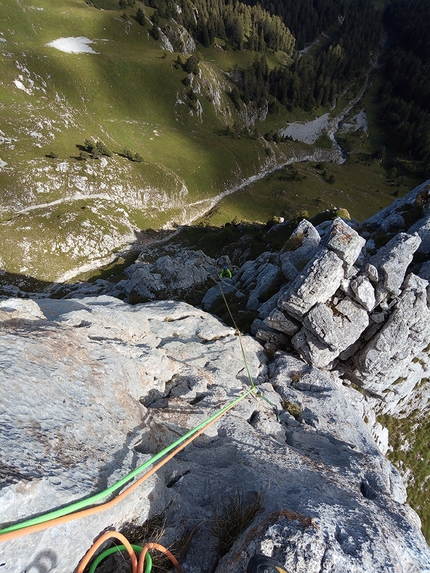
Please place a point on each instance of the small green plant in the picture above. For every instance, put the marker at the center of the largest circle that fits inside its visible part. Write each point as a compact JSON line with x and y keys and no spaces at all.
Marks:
{"x":296,"y":376}
{"x":357,"y":387}
{"x":232,"y":518}
{"x":292,"y":408}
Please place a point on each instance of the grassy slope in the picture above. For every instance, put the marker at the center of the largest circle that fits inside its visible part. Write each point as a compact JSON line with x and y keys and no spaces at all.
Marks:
{"x":126,"y":95}
{"x":409,"y":449}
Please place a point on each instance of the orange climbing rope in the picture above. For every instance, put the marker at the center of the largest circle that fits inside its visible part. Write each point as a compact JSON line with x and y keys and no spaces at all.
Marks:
{"x":137,"y":566}
{"x":98,"y":508}
{"x":100,"y":541}
{"x":160,"y":548}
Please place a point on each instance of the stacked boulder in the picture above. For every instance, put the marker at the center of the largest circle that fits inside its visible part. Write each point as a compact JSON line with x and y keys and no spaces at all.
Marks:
{"x":345,"y":305}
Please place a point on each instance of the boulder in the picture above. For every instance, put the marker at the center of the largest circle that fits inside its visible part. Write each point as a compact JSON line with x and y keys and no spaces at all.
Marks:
{"x":337,"y":325}
{"x":392,"y":261}
{"x":405,"y":333}
{"x":345,"y":242}
{"x":422,"y":229}
{"x":170,"y":274}
{"x":363,"y":292}
{"x":279,"y":321}
{"x":313,"y":350}
{"x":317,"y":283}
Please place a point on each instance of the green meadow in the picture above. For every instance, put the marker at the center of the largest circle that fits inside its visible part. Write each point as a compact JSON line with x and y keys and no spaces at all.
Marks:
{"x":131,"y":95}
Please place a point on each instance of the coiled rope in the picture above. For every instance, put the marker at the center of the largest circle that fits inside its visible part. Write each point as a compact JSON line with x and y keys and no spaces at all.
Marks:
{"x":137,"y":565}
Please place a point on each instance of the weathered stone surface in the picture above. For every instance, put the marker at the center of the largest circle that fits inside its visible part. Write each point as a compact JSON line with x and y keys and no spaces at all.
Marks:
{"x":305,"y":240}
{"x":406,"y":332}
{"x":338,"y":326}
{"x":266,"y":277}
{"x":271,"y":339}
{"x":81,"y":371}
{"x":363,"y":292}
{"x":279,"y":321}
{"x":170,"y":274}
{"x":422,"y":228}
{"x":345,"y":242}
{"x":393,"y":260}
{"x":318,"y":282}
{"x":75,"y":423}
{"x":307,"y":234}
{"x":313,"y":350}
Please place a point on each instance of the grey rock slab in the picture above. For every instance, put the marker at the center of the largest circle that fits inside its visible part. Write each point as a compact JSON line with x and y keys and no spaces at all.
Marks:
{"x":404,"y":335}
{"x":267,"y":277}
{"x":314,"y":475}
{"x":397,"y":206}
{"x":337,"y":325}
{"x":170,"y":273}
{"x":393,"y":260}
{"x":317,"y":283}
{"x":363,"y":292}
{"x":214,"y":294}
{"x":313,"y":350}
{"x":422,"y":228}
{"x":279,"y":321}
{"x":307,"y":234}
{"x":344,"y":241}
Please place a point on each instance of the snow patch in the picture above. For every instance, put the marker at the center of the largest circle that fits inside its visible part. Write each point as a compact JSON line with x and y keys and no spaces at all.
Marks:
{"x":307,"y":132}
{"x":2,"y":163}
{"x":357,"y":122}
{"x":73,"y":45}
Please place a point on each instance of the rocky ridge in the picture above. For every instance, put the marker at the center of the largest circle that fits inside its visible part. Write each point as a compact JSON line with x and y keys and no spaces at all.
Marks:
{"x":336,"y":311}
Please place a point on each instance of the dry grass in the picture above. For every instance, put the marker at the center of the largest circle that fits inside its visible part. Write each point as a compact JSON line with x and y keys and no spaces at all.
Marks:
{"x":232,"y":518}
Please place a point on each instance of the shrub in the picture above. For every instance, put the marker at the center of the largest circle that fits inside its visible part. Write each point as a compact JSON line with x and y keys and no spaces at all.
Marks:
{"x":192,"y":65}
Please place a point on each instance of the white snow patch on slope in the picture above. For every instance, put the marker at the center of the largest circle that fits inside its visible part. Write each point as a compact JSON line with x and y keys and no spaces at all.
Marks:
{"x":307,"y":132}
{"x":73,"y":45}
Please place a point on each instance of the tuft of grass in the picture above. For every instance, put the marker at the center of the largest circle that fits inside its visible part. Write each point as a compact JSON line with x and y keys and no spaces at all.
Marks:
{"x":292,"y":408}
{"x":232,"y":518}
{"x":296,"y":376}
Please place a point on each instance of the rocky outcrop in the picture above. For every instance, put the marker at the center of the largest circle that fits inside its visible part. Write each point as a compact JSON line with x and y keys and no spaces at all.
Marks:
{"x":170,"y":275}
{"x":346,"y":306}
{"x":93,"y":387}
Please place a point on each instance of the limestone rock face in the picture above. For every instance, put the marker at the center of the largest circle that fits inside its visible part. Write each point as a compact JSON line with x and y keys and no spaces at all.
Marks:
{"x":318,"y":282}
{"x":75,"y":377}
{"x":346,"y":305}
{"x":93,"y":387}
{"x":170,"y":275}
{"x":345,"y":242}
{"x":393,"y":260}
{"x":406,"y":333}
